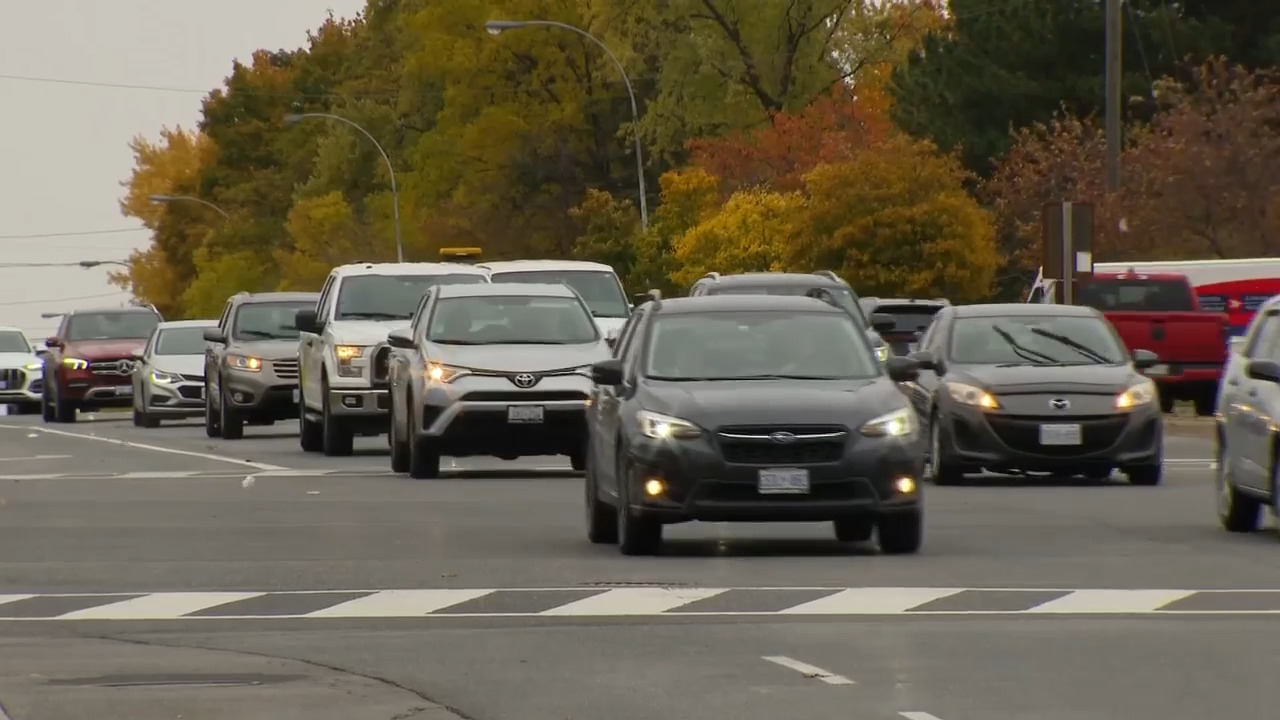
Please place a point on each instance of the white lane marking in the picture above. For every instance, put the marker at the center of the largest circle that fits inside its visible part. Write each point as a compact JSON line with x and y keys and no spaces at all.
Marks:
{"x":918,"y":715}
{"x":1111,"y":601}
{"x":159,"y":449}
{"x":870,"y":601}
{"x":634,"y":601}
{"x":809,"y":671}
{"x":399,"y":603}
{"x":34,"y":457}
{"x":167,"y":605}
{"x":4,"y":599}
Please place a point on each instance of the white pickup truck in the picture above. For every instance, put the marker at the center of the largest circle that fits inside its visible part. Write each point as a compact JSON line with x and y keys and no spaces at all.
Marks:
{"x":343,"y":350}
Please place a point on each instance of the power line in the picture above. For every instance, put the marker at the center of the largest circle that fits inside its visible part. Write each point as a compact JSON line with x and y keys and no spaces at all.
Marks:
{"x":50,"y":301}
{"x":73,"y":234}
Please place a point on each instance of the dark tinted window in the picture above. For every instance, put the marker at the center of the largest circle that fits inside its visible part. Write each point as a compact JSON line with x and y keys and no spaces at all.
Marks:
{"x":909,"y":318}
{"x":14,"y":342}
{"x":268,"y":320}
{"x":1137,"y":295}
{"x":181,"y":341}
{"x":1045,"y":339}
{"x":601,"y":290}
{"x":511,"y":319}
{"x":111,"y":326}
{"x":844,"y":297}
{"x":390,"y":297}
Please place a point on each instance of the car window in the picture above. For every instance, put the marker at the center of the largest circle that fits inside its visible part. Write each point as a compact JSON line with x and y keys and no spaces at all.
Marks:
{"x":1040,"y":339}
{"x":731,"y":345}
{"x":111,"y":326}
{"x":12,"y":341}
{"x":511,"y":319}
{"x":390,"y":297}
{"x":1137,"y":295}
{"x":628,"y":333}
{"x":1263,"y":344}
{"x":909,"y":318}
{"x":268,"y":320}
{"x":843,"y":296}
{"x":601,"y":290}
{"x":180,"y":341}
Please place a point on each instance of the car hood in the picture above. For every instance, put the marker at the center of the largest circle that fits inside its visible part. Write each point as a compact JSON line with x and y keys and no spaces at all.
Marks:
{"x":266,"y":349}
{"x":17,"y":360}
{"x":180,"y":364}
{"x":768,"y":402}
{"x":1082,"y":379}
{"x":104,"y":349}
{"x":520,"y":358}
{"x":363,"y":332}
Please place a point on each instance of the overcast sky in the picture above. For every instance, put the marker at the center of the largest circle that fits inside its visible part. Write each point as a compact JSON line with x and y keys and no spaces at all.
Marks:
{"x":65,"y":132}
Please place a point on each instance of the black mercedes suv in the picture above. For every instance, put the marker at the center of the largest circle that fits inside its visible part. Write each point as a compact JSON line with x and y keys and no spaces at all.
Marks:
{"x":751,"y":408}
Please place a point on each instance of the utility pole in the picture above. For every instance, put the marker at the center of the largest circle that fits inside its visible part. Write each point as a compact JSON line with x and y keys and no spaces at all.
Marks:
{"x":1113,"y":109}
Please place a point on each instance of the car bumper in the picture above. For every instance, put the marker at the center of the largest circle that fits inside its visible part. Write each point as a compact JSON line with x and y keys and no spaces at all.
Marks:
{"x":359,"y":402}
{"x":184,"y":399}
{"x":700,"y":485}
{"x":975,"y":439}
{"x":20,"y":386}
{"x":467,"y":428}
{"x":96,"y":390}
{"x":262,"y":393}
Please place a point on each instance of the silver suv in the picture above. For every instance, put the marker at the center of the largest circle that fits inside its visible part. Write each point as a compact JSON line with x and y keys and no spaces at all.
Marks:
{"x":499,"y":369}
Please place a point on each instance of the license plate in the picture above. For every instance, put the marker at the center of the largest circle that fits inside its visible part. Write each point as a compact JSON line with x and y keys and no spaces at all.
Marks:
{"x":296,"y":395}
{"x":1157,"y":370}
{"x":785,"y":481}
{"x":525,"y":414}
{"x":1060,"y":435}
{"x":4,"y":384}
{"x":124,"y":390}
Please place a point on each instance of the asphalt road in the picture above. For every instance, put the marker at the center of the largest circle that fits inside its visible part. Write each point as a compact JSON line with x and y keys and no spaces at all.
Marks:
{"x":158,"y":573}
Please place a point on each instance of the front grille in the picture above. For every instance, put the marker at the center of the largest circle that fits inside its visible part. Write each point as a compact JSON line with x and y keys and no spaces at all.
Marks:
{"x":193,"y":378}
{"x":1097,"y":433}
{"x":189,"y":392}
{"x":122,"y":367}
{"x":14,"y":378}
{"x":532,"y":396}
{"x":285,"y":369}
{"x":810,"y":444}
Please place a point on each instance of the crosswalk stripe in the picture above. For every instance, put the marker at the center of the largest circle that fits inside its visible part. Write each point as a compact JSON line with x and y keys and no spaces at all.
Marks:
{"x":871,"y":601}
{"x":634,"y":601}
{"x":174,"y":604}
{"x":400,"y":603}
{"x":1112,"y":601}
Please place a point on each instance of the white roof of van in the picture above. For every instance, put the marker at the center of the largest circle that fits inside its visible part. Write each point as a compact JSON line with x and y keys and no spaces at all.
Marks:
{"x":506,"y":266}
{"x":408,"y":268}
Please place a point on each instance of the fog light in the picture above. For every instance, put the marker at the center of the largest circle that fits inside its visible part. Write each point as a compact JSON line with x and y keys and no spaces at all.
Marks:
{"x":654,"y":487}
{"x":904,"y":485}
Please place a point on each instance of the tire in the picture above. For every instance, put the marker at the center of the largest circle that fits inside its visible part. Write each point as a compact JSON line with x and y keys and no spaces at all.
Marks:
{"x":854,"y":529}
{"x":578,"y":461}
{"x":337,"y":440}
{"x":943,"y":473}
{"x":424,"y":460}
{"x":1145,"y":475}
{"x":901,"y":533}
{"x":637,"y":534}
{"x":46,"y":404}
{"x":310,"y":432}
{"x":1237,"y":512}
{"x":211,"y":427}
{"x":230,"y":422}
{"x":602,"y":519}
{"x":28,"y":408}
{"x":137,"y":417}
{"x":1206,"y":404}
{"x":63,"y":411}
{"x":399,"y":448}
{"x":1166,"y":403}
{"x":149,"y":421}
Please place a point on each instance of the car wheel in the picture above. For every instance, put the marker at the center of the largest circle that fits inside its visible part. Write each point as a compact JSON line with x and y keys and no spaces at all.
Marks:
{"x":637,"y":534}
{"x":137,"y":416}
{"x":29,"y":408}
{"x":901,"y":533}
{"x":399,"y":447}
{"x":855,"y":529}
{"x":602,"y":519}
{"x":46,"y":404}
{"x":1146,"y":475}
{"x":337,"y":440}
{"x":63,"y":411}
{"x":578,"y":461}
{"x":211,"y":428}
{"x":939,"y":470}
{"x":310,"y":432}
{"x":230,"y":422}
{"x":1238,"y":513}
{"x":424,"y":460}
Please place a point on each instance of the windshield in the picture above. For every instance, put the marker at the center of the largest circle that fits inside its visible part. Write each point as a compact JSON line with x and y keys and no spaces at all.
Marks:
{"x":511,"y":320}
{"x":601,"y":290}
{"x":268,"y":321}
{"x":14,"y":342}
{"x":180,"y":341}
{"x":1137,"y":295}
{"x":761,"y":344}
{"x":1040,"y":340}
{"x":844,"y":297}
{"x":390,"y":297}
{"x":111,"y":326}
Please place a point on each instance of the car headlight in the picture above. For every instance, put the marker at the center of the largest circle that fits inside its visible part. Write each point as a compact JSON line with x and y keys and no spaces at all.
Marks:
{"x":75,"y":363}
{"x":899,"y":423}
{"x":443,"y":373}
{"x":665,"y":427}
{"x":966,"y":394}
{"x":35,"y":366}
{"x":164,"y":378}
{"x":1143,"y":393}
{"x":244,"y":362}
{"x":346,"y":353}
{"x":584,"y":371}
{"x":882,"y":353}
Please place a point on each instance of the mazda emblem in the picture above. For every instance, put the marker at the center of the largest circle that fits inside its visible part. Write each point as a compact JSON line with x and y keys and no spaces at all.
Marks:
{"x":1060,"y":404}
{"x":525,"y":380}
{"x":782,"y":437}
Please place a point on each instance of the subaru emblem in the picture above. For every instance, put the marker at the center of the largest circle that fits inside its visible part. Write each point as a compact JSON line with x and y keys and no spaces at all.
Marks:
{"x":1060,"y":404}
{"x":782,"y":437}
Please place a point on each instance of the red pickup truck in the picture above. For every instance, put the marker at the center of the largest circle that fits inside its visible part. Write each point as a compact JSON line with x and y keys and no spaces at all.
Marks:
{"x":1161,"y":313}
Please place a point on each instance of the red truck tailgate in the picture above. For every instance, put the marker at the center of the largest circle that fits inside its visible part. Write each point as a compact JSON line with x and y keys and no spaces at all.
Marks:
{"x":1180,"y":337}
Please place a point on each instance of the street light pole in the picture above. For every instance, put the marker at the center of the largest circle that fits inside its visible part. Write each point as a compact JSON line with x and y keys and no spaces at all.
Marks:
{"x":161,"y":199}
{"x":391,"y":170}
{"x":497,"y":27}
{"x":99,"y":263}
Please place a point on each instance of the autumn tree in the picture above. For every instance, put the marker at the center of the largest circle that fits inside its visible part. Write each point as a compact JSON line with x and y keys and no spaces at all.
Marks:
{"x":752,"y":232}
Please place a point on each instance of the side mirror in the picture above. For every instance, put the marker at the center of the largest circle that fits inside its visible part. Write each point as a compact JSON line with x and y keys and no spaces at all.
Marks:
{"x":924,"y":360}
{"x":902,"y":369}
{"x":53,"y":341}
{"x":1145,"y":359}
{"x":306,"y":321}
{"x":607,"y":372}
{"x":1268,"y":370}
{"x":214,"y":335}
{"x":882,"y":322}
{"x":611,"y":338}
{"x":402,"y":339}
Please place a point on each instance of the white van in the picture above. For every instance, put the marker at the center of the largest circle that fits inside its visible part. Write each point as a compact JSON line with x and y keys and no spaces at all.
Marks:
{"x":597,"y":283}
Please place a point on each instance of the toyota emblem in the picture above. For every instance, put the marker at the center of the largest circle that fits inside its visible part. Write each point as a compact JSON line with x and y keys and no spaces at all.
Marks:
{"x":782,"y":437}
{"x":525,"y":380}
{"x":1060,"y":404}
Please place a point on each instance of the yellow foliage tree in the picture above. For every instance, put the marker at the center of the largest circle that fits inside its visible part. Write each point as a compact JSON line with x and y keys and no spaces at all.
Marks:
{"x":223,"y":274}
{"x":896,"y":220}
{"x":325,"y":233}
{"x":751,"y":233}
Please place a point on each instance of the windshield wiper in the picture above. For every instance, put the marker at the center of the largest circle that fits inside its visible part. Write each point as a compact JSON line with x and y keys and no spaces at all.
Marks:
{"x":779,"y":376}
{"x":455,"y":342}
{"x":1079,"y":347}
{"x":373,"y":316}
{"x":1022,"y":351}
{"x":258,"y":334}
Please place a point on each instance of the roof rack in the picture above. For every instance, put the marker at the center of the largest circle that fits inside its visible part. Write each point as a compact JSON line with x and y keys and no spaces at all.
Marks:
{"x":651,"y":296}
{"x":828,"y":275}
{"x":824,"y":295}
{"x":713,"y":275}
